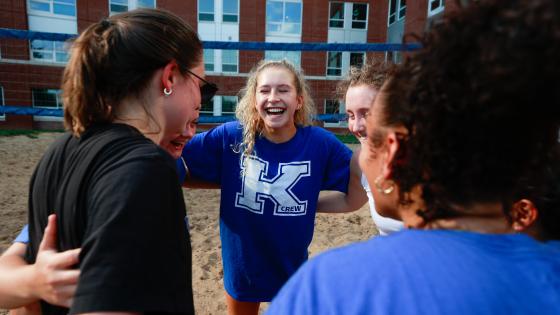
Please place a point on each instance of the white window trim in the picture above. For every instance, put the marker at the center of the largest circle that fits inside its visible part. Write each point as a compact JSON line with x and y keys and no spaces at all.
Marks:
{"x":363,"y":53}
{"x":341,"y":110}
{"x":343,"y":12}
{"x":269,"y":33}
{"x":211,"y":112}
{"x":206,"y":12}
{"x":47,"y":118}
{"x":51,"y":10}
{"x":327,"y":65}
{"x":58,"y":100}
{"x":53,"y":53}
{"x":132,"y":4}
{"x":367,"y":16}
{"x":213,"y":51}
{"x":398,"y":9}
{"x":223,"y":13}
{"x":438,"y":10}
{"x":222,"y":102}
{"x":223,"y":63}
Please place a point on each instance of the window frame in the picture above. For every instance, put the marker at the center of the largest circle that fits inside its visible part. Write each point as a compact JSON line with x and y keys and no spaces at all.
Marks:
{"x":224,"y":14}
{"x":51,"y":11}
{"x":230,"y":64}
{"x":341,"y":110}
{"x":199,"y":13}
{"x":399,"y":13}
{"x":360,"y":21}
{"x":53,"y":51}
{"x":58,"y":98}
{"x":223,"y":98}
{"x":206,"y":53}
{"x":204,"y":112}
{"x":283,"y":23}
{"x":440,"y":7}
{"x":362,"y":53}
{"x":336,"y":20}
{"x":330,"y":68}
{"x":130,"y":5}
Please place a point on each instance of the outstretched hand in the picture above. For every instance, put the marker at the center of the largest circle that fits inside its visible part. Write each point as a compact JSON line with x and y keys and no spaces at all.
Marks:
{"x":54,"y":280}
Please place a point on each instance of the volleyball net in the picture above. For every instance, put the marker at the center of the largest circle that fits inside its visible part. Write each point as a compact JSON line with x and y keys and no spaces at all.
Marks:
{"x":50,"y":46}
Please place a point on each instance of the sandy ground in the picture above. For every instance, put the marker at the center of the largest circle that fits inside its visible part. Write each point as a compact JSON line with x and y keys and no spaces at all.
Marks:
{"x":19,"y":155}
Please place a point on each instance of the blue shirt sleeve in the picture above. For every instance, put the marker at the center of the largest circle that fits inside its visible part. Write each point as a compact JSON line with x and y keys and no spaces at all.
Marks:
{"x":23,"y":236}
{"x":337,"y":172}
{"x":203,"y":155}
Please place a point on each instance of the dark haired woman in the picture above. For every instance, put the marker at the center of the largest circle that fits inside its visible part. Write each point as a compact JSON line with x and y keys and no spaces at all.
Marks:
{"x":451,"y":136}
{"x":132,"y":90}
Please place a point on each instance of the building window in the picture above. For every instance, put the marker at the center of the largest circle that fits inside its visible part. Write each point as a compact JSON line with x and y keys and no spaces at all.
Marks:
{"x":397,"y":10}
{"x":336,"y":15}
{"x":395,"y":57}
{"x":283,"y":17}
{"x":229,"y":60}
{"x":229,"y":103}
{"x":334,"y":63}
{"x":332,"y":107}
{"x":49,"y":51}
{"x":208,"y":59}
{"x":48,"y":98}
{"x":231,"y":11}
{"x":118,"y":6}
{"x":59,"y":7}
{"x":435,"y":7}
{"x":207,"y":109}
{"x":357,"y":59}
{"x":359,"y":15}
{"x":206,"y":10}
{"x":146,"y":4}
{"x":292,"y":56}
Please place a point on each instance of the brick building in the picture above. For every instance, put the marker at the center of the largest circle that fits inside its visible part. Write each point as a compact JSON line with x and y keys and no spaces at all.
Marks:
{"x":30,"y":71}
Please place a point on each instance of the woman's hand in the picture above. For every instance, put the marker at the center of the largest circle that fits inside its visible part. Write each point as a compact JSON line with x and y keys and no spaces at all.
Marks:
{"x":53,"y":280}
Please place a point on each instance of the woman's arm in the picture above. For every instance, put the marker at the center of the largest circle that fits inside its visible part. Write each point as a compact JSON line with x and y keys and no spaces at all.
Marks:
{"x":48,"y":279}
{"x":337,"y":202}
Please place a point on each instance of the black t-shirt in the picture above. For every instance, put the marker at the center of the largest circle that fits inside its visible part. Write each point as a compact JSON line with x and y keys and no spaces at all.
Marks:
{"x":117,"y":196}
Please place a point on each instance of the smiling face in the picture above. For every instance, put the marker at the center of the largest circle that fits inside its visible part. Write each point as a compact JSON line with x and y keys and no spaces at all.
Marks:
{"x":359,"y":99}
{"x":179,"y":114}
{"x":375,"y":160}
{"x":277,"y":100}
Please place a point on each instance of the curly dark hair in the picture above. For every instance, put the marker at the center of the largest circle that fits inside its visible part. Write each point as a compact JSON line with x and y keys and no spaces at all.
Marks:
{"x":481,"y":102}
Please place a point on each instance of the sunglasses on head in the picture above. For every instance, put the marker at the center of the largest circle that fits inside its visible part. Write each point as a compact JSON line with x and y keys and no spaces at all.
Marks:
{"x":207,"y":90}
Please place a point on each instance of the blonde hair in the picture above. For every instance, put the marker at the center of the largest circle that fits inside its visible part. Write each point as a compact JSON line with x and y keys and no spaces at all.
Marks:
{"x":246,"y":111}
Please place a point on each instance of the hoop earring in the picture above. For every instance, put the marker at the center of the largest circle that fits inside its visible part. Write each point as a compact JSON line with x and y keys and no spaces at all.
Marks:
{"x":167,"y":92}
{"x":386,"y":187}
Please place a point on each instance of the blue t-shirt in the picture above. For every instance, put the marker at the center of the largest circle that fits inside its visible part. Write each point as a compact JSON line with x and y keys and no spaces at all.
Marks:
{"x":23,"y":236}
{"x":267,"y":214}
{"x":428,"y":272}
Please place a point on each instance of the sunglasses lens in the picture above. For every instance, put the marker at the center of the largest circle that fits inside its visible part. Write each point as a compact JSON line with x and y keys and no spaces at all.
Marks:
{"x":207,"y":92}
